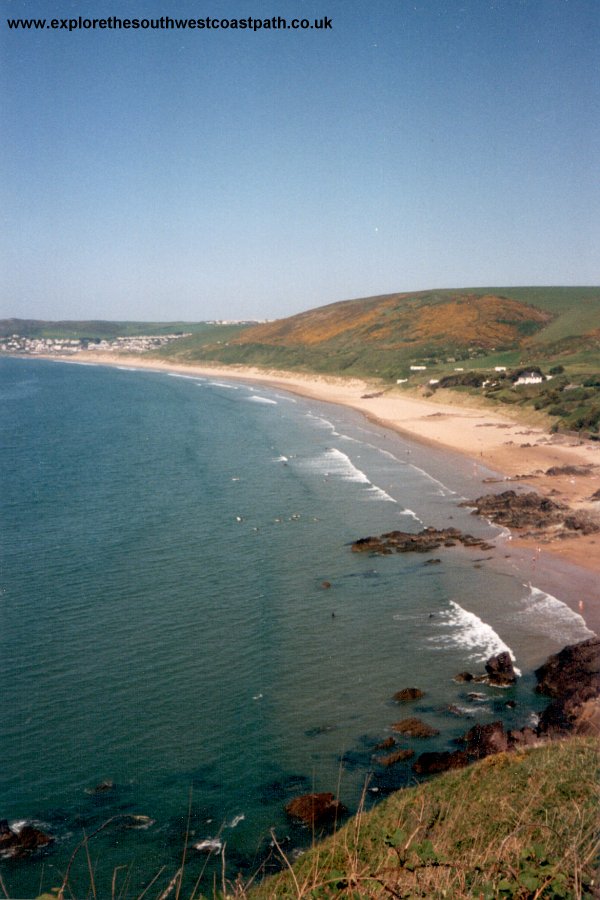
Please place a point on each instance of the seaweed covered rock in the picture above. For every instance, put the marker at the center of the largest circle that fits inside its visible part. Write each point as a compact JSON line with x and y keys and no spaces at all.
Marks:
{"x":414,"y":728}
{"x":407,"y":695}
{"x":19,"y":843}
{"x":424,"y":541}
{"x":316,"y":809}
{"x":432,"y":763}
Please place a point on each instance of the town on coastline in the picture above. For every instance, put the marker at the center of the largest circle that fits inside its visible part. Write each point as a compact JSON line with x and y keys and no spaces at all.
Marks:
{"x":43,"y":345}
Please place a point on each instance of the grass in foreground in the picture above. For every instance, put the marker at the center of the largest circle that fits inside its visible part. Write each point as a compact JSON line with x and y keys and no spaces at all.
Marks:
{"x":521,"y":825}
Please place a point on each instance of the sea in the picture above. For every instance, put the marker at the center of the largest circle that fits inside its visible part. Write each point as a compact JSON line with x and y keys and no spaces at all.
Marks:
{"x":187,"y":640}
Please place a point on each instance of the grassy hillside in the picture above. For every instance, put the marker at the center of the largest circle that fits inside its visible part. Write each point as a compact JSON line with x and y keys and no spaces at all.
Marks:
{"x":382,"y":336}
{"x":521,"y":825}
{"x":471,"y":330}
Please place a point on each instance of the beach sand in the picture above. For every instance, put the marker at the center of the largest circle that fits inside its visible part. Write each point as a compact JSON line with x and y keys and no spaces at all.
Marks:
{"x":518,"y":453}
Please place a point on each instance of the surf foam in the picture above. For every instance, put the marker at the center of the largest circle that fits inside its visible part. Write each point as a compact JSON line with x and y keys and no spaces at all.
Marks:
{"x":466,"y":630}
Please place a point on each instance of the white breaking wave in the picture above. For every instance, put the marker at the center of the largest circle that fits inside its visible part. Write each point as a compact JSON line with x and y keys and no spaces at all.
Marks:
{"x":412,"y":514}
{"x":321,"y":422}
{"x":210,"y":845}
{"x":334,"y":463}
{"x":180,"y":375}
{"x":444,"y":490}
{"x":552,"y":617}
{"x":256,"y":399}
{"x":231,"y":387}
{"x":467,"y":631}
{"x":236,"y":820}
{"x":281,"y":458}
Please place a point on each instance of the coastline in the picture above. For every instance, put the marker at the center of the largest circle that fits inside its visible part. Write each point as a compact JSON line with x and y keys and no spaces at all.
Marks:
{"x":518,"y":453}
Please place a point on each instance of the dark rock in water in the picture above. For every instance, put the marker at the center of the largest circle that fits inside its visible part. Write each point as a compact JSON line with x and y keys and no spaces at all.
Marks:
{"x":138,"y":822}
{"x":414,"y":728}
{"x":572,"y":679}
{"x":422,"y":542}
{"x":406,"y":695}
{"x":500,"y":670}
{"x":101,"y":788}
{"x":434,"y":562}
{"x":434,"y":762}
{"x":385,"y":745}
{"x":392,"y":758}
{"x":325,"y":585}
{"x":319,"y":729}
{"x":483,"y":740}
{"x":282,"y":788}
{"x":316,"y":809}
{"x":18,"y":844}
{"x":463,"y":676}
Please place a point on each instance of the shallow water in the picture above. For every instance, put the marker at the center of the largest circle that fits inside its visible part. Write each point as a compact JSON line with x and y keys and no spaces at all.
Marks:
{"x":164,"y":625}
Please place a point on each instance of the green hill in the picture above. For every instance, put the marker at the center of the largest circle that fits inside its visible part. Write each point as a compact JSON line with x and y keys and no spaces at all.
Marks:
{"x":382,"y":336}
{"x":473,"y":331}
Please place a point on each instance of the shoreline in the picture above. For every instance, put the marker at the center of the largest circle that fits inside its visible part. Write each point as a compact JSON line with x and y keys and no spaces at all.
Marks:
{"x":519,"y":453}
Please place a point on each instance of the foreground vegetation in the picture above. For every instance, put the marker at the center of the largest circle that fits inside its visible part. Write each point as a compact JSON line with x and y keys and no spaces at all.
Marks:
{"x":522,"y":825}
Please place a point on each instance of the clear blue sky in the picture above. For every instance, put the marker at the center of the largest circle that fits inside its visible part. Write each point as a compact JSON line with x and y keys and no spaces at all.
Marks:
{"x":228,"y":174}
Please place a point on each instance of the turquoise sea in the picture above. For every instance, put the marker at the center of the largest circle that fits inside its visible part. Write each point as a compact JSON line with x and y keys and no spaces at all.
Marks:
{"x":164,"y":625}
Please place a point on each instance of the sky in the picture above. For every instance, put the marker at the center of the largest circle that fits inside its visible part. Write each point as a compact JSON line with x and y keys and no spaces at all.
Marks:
{"x":236,"y":174}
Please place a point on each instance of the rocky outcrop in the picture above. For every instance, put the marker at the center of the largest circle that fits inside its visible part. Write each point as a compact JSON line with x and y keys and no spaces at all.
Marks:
{"x":500,"y":670}
{"x":435,"y":762}
{"x":424,"y":541}
{"x":570,"y":470}
{"x":531,"y":510}
{"x":407,"y":695}
{"x":17,"y":844}
{"x":483,"y":740}
{"x":392,"y":758}
{"x":414,"y":728}
{"x":316,"y":809}
{"x":572,"y":679}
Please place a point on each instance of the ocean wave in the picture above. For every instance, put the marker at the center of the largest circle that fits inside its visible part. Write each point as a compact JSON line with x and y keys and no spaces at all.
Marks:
{"x":552,"y":617}
{"x":334,"y":463}
{"x":444,"y":490}
{"x":223,"y":384}
{"x":209,"y":845}
{"x":255,"y":398}
{"x":236,"y":820}
{"x":466,"y":630}
{"x":181,"y":375}
{"x":409,"y":512}
{"x":322,"y":422}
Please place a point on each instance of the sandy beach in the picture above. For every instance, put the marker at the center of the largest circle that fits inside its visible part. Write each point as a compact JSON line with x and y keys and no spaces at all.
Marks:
{"x":518,"y":453}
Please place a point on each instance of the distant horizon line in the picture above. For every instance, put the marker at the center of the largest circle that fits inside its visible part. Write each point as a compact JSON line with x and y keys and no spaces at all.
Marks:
{"x":253,"y":319}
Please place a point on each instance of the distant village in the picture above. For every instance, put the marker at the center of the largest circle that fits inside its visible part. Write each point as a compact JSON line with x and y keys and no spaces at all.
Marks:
{"x":61,"y":346}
